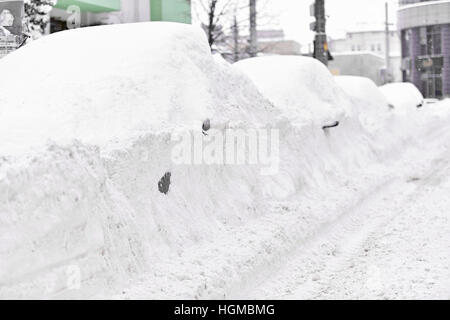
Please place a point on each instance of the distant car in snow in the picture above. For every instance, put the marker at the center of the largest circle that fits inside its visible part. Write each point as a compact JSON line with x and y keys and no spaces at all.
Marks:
{"x":369,"y":103}
{"x":404,"y":96}
{"x":364,"y":92}
{"x":429,"y":101}
{"x":301,"y":87}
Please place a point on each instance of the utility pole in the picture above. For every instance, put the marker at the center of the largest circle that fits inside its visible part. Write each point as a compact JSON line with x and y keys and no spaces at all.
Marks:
{"x":253,"y":34}
{"x":387,"y":75}
{"x":319,"y":26}
{"x":235,"y":40}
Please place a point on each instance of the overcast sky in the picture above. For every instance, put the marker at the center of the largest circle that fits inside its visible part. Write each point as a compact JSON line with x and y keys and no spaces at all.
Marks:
{"x":293,"y":16}
{"x":343,"y":15}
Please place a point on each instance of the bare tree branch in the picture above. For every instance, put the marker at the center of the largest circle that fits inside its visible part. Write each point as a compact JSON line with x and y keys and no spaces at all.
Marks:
{"x":223,"y":20}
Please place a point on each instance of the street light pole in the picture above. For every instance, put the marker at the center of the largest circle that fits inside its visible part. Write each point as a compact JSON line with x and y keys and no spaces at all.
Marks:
{"x":387,"y":53}
{"x":253,"y":34}
{"x":319,"y":26}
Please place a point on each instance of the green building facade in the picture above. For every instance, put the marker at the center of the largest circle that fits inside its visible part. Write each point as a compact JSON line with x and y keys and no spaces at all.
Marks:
{"x":171,"y":10}
{"x":96,"y":6}
{"x":160,"y":10}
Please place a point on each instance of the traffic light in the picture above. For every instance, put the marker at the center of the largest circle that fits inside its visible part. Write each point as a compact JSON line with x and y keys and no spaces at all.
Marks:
{"x":329,"y":56}
{"x":321,"y":52}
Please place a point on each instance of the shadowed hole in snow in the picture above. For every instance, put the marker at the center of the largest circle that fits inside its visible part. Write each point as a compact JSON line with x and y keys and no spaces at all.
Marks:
{"x":164,"y":183}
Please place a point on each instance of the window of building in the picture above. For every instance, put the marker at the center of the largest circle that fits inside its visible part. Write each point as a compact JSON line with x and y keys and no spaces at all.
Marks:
{"x":379,"y":47}
{"x":431,"y":76}
{"x":57,"y":25}
{"x":406,"y":69}
{"x":434,"y":40}
{"x":438,"y":87}
{"x":430,"y":40}
{"x":423,"y":40}
{"x":406,"y":42}
{"x":372,"y":47}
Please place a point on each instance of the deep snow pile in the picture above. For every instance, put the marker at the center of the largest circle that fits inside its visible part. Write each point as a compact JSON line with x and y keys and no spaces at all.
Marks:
{"x":372,"y":106}
{"x":364,"y":91}
{"x":301,"y":87}
{"x":84,"y":147}
{"x":405,"y":97}
{"x":63,"y":85}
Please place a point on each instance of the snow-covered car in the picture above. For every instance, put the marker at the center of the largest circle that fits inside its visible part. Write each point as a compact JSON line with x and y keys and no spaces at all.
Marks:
{"x":118,"y":178}
{"x":88,"y":124}
{"x":430,"y":101}
{"x":84,"y":79}
{"x":301,"y":87}
{"x":365,"y":93}
{"x":403,"y":96}
{"x":369,"y":103}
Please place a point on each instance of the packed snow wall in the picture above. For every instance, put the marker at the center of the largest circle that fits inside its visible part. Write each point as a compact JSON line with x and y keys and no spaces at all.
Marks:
{"x":84,"y":146}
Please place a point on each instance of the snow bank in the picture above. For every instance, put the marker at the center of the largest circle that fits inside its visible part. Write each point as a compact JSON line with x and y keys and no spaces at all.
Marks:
{"x":364,"y":91}
{"x":369,"y":102}
{"x":84,"y":146}
{"x":405,"y":97}
{"x":66,"y":84}
{"x":299,"y":86}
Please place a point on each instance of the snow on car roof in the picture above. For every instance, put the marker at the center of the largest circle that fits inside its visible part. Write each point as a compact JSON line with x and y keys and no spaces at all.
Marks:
{"x":301,"y":87}
{"x":111,"y":82}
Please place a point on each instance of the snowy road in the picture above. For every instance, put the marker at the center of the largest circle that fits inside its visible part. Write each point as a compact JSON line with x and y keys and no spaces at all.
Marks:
{"x":390,"y":238}
{"x":393,"y":244}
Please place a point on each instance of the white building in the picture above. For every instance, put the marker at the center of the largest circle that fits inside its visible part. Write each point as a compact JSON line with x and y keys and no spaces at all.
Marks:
{"x":368,"y":40}
{"x":367,"y":45}
{"x":274,"y":42}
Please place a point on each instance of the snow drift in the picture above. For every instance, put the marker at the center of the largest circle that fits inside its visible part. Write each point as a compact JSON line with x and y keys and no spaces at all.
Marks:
{"x":365,"y":94}
{"x":83,"y":149}
{"x":405,"y":97}
{"x":301,"y":87}
{"x":63,"y":85}
{"x":370,"y":104}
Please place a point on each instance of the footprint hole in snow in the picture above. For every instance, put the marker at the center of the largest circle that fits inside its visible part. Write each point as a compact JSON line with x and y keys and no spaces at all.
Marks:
{"x":164,"y":183}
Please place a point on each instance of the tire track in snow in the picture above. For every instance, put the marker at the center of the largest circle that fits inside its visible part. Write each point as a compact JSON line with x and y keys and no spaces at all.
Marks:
{"x":243,"y":255}
{"x":318,"y":258}
{"x":294,"y":249}
{"x":410,"y":257}
{"x":329,"y":258}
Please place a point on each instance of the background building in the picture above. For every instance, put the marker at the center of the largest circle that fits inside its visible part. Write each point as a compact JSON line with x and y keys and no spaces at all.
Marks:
{"x":269,"y":42}
{"x":99,"y":12}
{"x":425,"y":39}
{"x":363,"y":52}
{"x":11,"y":16}
{"x":362,"y":64}
{"x":274,"y":42}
